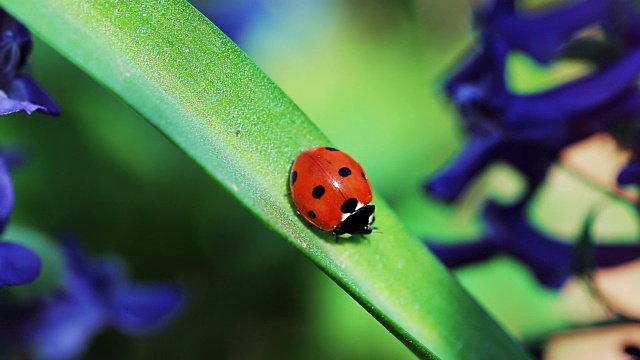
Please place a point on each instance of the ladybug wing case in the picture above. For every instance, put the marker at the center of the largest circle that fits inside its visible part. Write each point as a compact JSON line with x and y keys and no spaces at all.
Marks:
{"x":327,"y":185}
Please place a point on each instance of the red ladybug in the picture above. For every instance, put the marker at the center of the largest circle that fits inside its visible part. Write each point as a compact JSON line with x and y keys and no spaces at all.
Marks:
{"x":332,"y":192}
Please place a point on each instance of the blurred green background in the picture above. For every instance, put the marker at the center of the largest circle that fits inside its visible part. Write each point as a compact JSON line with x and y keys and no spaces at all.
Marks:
{"x":368,"y":73}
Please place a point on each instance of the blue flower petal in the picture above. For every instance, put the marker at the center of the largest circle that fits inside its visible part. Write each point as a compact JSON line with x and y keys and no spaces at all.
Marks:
{"x":529,"y":131}
{"x":481,"y":77}
{"x":65,"y":324}
{"x":562,"y":103}
{"x":18,"y":264}
{"x":630,"y":174}
{"x":24,"y":93}
{"x":18,"y":92}
{"x":541,"y":35}
{"x":475,"y":155}
{"x":144,"y":307}
{"x":458,"y":254}
{"x":550,"y":259}
{"x":607,"y":255}
{"x":6,"y":195}
{"x":9,"y":106}
{"x":618,"y":111}
{"x":95,"y":294}
{"x":482,"y":70}
{"x":15,"y":46}
{"x":132,"y":307}
{"x":624,"y":25}
{"x":15,"y":156}
{"x":58,"y":326}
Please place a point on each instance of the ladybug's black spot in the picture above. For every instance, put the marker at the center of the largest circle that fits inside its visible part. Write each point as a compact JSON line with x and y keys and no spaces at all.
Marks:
{"x":317,"y":192}
{"x":344,"y":172}
{"x":311,"y":214}
{"x":364,"y":176}
{"x":331,"y":149}
{"x":349,"y":206}
{"x":294,"y":177}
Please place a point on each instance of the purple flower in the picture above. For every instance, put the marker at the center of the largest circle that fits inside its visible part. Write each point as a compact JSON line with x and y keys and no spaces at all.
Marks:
{"x":95,"y":294}
{"x":18,"y":91}
{"x":6,"y":195}
{"x":630,"y":174}
{"x":552,"y":260}
{"x":541,"y":35}
{"x":528,"y":131}
{"x":18,"y":264}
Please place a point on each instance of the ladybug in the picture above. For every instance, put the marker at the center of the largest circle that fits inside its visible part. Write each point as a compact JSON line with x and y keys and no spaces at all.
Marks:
{"x":332,"y":192}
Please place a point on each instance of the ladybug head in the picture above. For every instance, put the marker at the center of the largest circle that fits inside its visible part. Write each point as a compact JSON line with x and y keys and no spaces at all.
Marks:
{"x":358,"y":223}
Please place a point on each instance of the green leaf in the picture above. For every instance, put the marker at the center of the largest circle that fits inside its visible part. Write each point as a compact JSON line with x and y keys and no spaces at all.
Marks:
{"x":190,"y":81}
